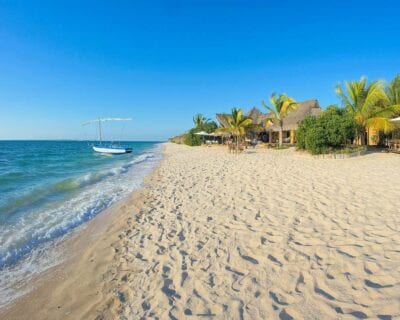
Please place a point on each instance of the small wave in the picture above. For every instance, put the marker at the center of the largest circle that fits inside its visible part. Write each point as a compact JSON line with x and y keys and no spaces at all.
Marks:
{"x":67,"y":186}
{"x":97,"y":191}
{"x":34,"y":239}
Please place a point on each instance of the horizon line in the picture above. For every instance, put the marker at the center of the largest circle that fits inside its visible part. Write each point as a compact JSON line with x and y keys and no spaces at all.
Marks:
{"x":81,"y":140}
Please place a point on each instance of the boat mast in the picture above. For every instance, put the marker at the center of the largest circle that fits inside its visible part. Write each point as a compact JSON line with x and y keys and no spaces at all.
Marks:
{"x":99,"y":130}
{"x":100,"y":120}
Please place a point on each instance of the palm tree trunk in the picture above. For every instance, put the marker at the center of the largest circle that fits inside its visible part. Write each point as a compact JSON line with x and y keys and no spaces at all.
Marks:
{"x":237,"y":144}
{"x":280,"y":135}
{"x":362,"y":136}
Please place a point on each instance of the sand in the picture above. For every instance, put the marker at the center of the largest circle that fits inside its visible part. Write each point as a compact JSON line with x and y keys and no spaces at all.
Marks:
{"x":268,"y":234}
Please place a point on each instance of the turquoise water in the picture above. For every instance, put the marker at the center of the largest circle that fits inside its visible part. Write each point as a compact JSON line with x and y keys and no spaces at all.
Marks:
{"x":48,"y":188}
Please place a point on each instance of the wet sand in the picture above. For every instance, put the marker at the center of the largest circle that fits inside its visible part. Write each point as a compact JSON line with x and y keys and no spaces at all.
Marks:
{"x":266,"y":234}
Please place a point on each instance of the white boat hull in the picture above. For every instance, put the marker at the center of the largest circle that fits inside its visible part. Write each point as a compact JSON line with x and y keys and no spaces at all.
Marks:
{"x":112,"y":150}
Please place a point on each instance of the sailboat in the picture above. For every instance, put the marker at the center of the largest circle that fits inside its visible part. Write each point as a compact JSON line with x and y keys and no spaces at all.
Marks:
{"x":108,"y":148}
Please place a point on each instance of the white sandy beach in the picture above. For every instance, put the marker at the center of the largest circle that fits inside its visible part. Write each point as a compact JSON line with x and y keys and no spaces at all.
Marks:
{"x":268,"y":234}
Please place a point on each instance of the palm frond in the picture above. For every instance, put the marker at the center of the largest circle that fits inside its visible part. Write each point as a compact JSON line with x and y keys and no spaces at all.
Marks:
{"x":393,"y":90}
{"x":345,"y":100}
{"x":223,"y":130}
{"x":374,"y":95}
{"x":246,"y":122}
{"x":236,"y":123}
{"x":380,"y":123}
{"x":288,"y":105}
{"x":273,"y":99}
{"x":387,"y":112}
{"x":282,"y":105}
{"x":272,"y":111}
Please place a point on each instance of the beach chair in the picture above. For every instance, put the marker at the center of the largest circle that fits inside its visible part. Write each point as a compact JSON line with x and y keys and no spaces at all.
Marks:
{"x":231,"y":148}
{"x":390,"y":145}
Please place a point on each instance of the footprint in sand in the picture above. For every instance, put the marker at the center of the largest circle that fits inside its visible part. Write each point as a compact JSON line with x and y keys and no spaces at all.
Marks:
{"x":168,"y":286}
{"x":384,"y":317}
{"x":246,"y":257}
{"x":274,"y":260}
{"x":378,"y":284}
{"x":278,"y":298}
{"x":355,"y":313}
{"x":181,"y":236}
{"x":146,"y":306}
{"x":324,"y":293}
{"x":290,"y":314}
{"x":300,"y":283}
{"x":263,"y":240}
{"x":348,"y":252}
{"x":371,"y":267}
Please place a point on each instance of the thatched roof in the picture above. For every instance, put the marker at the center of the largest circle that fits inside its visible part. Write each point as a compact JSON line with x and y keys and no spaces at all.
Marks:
{"x":257,"y":116}
{"x":254,"y":114}
{"x":292,"y":120}
{"x":221,"y":119}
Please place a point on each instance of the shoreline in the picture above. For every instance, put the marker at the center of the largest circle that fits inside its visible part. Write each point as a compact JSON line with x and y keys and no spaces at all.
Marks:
{"x":264,"y":234}
{"x":76,"y":248}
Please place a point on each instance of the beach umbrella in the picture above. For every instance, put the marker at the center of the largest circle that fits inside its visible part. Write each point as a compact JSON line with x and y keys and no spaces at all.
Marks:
{"x":202,"y":133}
{"x":222,"y":135}
{"x":396,"y":120}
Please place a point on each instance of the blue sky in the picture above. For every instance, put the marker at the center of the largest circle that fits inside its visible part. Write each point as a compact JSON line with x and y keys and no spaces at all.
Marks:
{"x":160,"y":62}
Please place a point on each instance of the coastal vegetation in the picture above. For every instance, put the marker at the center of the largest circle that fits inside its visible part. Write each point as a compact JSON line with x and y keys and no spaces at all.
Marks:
{"x":370,"y":105}
{"x":237,"y":124}
{"x":393,"y":92}
{"x":201,"y":122}
{"x":365,"y":106}
{"x":190,"y":138}
{"x":364,"y":117}
{"x":332,"y":130}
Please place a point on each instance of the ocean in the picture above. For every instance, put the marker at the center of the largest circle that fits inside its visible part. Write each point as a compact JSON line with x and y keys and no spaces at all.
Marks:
{"x":47,"y":189}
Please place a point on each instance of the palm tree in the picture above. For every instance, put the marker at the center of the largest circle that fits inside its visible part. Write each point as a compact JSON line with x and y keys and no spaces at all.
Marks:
{"x":199,"y":121}
{"x":281,"y":106}
{"x":236,"y":124}
{"x":393,"y":91}
{"x":369,"y":104}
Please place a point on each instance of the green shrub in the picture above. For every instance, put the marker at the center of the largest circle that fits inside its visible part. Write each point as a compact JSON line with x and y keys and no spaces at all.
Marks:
{"x":192,"y":139}
{"x":208,"y":127}
{"x":303,"y":131}
{"x":331,"y":130}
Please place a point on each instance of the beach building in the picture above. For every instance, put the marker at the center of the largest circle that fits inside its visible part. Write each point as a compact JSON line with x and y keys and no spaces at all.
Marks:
{"x":380,"y":138}
{"x":292,"y":121}
{"x":269,"y":134}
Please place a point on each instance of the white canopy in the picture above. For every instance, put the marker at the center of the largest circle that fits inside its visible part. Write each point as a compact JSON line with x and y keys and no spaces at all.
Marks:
{"x":395,"y":119}
{"x":203,"y":133}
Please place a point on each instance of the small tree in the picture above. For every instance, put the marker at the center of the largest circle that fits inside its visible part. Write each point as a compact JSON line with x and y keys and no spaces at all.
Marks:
{"x":199,"y":121}
{"x":201,"y":124}
{"x":393,"y":93}
{"x":237,"y":125}
{"x":209,"y":127}
{"x":303,"y":131}
{"x":281,"y":106}
{"x":369,"y":104}
{"x":192,"y":139}
{"x":393,"y":90}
